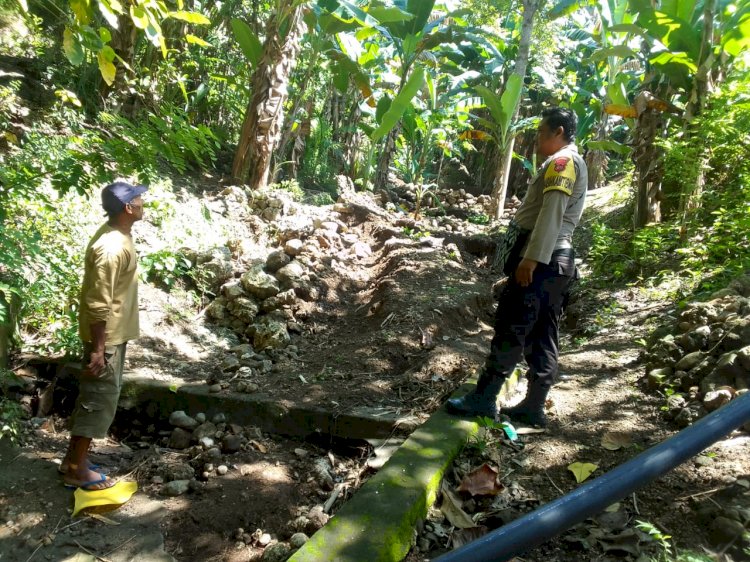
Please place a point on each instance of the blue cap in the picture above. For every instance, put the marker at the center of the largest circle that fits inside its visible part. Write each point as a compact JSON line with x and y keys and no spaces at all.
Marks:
{"x":116,"y":195}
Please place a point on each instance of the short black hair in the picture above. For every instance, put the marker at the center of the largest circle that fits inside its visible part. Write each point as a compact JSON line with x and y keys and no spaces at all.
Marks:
{"x":561,"y":117}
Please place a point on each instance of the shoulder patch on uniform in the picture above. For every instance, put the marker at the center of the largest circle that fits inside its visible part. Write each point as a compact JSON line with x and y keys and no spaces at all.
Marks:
{"x":560,"y":175}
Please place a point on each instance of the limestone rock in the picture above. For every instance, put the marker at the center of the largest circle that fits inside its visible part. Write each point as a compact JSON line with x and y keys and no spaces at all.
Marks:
{"x":290,"y":275}
{"x":180,"y":419}
{"x":690,"y":361}
{"x":179,"y":439}
{"x":217,"y":310}
{"x":206,"y":429}
{"x":276,"y":260}
{"x":230,"y":363}
{"x":231,"y":443}
{"x":233,"y":290}
{"x":284,"y":298}
{"x":316,"y":518}
{"x":276,"y":552}
{"x":270,"y":333}
{"x":716,"y":399}
{"x":259,"y":283}
{"x":243,"y":309}
{"x":298,"y":540}
{"x":178,"y":471}
{"x":175,"y":488}
{"x":217,"y":268}
{"x":293,"y":247}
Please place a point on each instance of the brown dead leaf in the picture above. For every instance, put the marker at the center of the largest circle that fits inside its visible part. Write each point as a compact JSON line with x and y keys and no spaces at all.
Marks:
{"x":614,"y":440}
{"x":627,"y":541}
{"x":451,"y":508}
{"x":481,"y":482}
{"x":465,"y":536}
{"x":260,"y":446}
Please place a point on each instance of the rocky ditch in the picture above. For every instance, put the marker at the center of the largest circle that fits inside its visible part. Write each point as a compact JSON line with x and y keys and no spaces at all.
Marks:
{"x":199,"y":456}
{"x":700,"y":358}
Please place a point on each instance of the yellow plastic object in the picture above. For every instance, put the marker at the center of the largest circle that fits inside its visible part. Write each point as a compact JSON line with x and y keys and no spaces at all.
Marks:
{"x":111,"y":498}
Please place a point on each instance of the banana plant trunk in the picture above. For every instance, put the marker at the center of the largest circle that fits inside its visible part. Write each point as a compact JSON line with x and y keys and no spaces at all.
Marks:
{"x":597,"y":160}
{"x":647,"y":158}
{"x":261,"y":128}
{"x":384,"y":161}
{"x":500,"y":184}
{"x":702,"y":85}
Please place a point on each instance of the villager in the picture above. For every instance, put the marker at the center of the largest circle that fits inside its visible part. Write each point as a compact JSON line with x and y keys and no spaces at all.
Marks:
{"x":108,"y":319}
{"x":537,"y":255}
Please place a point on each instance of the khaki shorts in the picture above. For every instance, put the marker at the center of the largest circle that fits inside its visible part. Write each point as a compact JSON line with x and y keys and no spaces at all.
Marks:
{"x":97,"y":397}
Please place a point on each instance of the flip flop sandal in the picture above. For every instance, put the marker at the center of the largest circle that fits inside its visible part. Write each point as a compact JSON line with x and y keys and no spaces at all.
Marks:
{"x":86,"y":486}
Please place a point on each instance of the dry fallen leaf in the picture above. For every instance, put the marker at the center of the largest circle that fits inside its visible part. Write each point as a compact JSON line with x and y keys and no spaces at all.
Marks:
{"x":481,"y":482}
{"x":465,"y":536}
{"x":451,"y":508}
{"x":260,"y":446}
{"x":582,"y":470}
{"x":614,"y":440}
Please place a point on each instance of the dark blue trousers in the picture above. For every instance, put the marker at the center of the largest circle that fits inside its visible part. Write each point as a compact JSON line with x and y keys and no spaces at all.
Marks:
{"x":527,"y":321}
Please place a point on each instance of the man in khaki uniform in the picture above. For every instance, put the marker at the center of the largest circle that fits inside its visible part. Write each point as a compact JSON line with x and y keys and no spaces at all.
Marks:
{"x":108,"y":319}
{"x":537,"y":255}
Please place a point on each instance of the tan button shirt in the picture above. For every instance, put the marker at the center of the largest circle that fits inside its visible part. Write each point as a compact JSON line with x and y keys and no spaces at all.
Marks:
{"x":554,"y":204}
{"x":110,"y":287}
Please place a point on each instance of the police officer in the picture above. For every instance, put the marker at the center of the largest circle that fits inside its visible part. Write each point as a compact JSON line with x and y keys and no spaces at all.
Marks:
{"x":537,"y":255}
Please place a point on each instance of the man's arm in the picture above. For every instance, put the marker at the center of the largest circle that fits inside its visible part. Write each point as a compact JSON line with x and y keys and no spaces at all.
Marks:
{"x":98,"y":338}
{"x":99,"y":300}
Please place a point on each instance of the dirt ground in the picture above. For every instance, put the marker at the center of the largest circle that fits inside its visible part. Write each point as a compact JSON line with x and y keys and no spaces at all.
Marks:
{"x":399,"y":331}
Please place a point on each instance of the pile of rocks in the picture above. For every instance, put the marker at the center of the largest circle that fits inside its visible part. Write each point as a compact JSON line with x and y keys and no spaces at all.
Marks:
{"x":260,"y":304}
{"x":703,"y":355}
{"x":457,"y":202}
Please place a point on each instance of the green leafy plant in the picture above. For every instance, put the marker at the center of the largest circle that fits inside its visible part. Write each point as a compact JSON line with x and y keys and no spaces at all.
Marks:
{"x":164,"y":267}
{"x":478,"y":218}
{"x":658,"y":536}
{"x":11,"y":412}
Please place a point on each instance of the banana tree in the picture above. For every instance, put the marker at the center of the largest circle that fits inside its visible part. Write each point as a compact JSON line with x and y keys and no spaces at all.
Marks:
{"x":261,"y":128}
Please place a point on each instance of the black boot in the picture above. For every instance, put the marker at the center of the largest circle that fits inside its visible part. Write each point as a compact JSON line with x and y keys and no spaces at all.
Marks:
{"x":531,"y":410}
{"x":480,"y":402}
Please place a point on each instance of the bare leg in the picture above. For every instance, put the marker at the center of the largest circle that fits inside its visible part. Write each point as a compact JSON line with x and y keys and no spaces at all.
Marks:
{"x":78,"y":465}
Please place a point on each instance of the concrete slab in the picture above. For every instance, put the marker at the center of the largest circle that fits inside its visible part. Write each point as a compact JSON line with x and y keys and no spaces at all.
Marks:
{"x":377,"y":524}
{"x":159,"y":399}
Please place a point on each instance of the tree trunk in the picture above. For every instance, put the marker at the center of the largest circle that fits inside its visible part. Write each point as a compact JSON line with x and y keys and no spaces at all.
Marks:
{"x":261,"y":128}
{"x":597,"y":160}
{"x":384,"y":162}
{"x":647,"y":159}
{"x":702,"y":86}
{"x":500,"y":186}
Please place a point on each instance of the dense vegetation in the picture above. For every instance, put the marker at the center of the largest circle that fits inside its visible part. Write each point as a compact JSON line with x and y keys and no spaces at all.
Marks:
{"x":293,"y":93}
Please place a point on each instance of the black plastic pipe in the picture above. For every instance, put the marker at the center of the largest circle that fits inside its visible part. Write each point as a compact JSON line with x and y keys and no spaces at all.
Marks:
{"x":593,"y":497}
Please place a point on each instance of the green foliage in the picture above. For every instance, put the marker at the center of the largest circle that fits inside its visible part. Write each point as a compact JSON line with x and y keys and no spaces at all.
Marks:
{"x":291,"y":186}
{"x":478,"y":218}
{"x":318,"y":168}
{"x":11,"y":412}
{"x":164,"y":267}
{"x":658,"y":536}
{"x":92,"y":155}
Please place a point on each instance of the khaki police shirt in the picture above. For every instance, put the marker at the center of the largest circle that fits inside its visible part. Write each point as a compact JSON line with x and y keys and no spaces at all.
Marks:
{"x":110,"y":287}
{"x":554,"y":204}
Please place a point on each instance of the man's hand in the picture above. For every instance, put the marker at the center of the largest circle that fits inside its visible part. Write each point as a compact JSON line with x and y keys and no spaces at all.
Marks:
{"x":96,"y":365}
{"x":525,"y":272}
